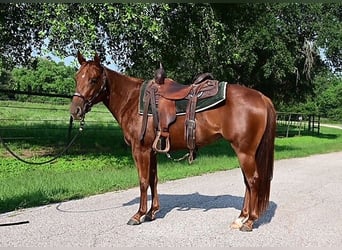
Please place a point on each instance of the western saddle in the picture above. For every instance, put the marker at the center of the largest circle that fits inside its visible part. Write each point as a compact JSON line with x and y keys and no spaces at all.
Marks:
{"x":161,"y":95}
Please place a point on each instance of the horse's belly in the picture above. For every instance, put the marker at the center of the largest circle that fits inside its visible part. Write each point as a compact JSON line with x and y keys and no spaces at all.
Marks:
{"x":207,"y":131}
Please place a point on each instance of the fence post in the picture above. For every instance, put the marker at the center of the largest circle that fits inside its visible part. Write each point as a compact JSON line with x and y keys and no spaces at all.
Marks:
{"x":69,"y":130}
{"x":288,"y":126}
{"x":319,"y":124}
{"x":309,"y":123}
{"x":300,"y":118}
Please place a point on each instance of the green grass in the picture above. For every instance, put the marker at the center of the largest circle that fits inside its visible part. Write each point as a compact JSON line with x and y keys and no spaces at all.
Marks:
{"x":100,"y":161}
{"x":329,"y":140}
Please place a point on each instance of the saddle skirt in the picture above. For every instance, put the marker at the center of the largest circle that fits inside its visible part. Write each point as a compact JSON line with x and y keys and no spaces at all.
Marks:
{"x":181,"y":105}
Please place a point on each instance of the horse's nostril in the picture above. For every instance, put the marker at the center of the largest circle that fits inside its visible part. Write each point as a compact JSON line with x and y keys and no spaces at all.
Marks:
{"x":79,"y":111}
{"x":76,"y":112}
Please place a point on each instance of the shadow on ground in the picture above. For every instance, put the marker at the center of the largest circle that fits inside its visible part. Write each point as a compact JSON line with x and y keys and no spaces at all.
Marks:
{"x":186,"y":202}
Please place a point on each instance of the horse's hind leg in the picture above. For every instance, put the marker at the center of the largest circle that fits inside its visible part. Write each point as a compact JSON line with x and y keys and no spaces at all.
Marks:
{"x":237,"y":224}
{"x":249,"y":211}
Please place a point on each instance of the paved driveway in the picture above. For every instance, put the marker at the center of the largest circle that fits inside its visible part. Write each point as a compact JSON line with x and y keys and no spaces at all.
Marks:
{"x":305,"y":210}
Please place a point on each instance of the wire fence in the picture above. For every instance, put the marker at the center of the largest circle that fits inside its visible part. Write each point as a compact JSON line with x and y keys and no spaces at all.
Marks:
{"x":36,"y":126}
{"x":14,"y":127}
{"x":296,"y":124}
{"x":30,"y":121}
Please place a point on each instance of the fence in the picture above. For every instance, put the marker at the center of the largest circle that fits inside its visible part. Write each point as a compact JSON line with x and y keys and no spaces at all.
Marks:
{"x":296,"y":124}
{"x":48,"y":124}
{"x":288,"y":124}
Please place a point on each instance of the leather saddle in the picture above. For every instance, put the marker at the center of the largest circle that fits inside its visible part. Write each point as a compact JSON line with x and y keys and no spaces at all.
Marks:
{"x":161,"y":94}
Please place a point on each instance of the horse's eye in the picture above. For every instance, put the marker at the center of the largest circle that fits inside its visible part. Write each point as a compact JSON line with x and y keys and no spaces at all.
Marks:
{"x":93,"y":80}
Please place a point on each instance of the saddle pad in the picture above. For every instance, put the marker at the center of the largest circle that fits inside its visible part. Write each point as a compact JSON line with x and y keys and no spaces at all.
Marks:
{"x":202,"y":104}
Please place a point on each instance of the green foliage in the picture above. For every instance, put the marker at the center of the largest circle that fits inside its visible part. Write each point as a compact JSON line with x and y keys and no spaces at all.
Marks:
{"x":273,"y":47}
{"x":6,"y":82}
{"x":325,"y":101}
{"x":46,"y":77}
{"x":307,"y":107}
{"x":331,"y":38}
{"x":330,"y":99}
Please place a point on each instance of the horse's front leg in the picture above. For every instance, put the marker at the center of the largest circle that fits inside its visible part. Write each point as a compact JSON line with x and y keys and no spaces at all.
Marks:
{"x":151,"y":215}
{"x":142,"y":158}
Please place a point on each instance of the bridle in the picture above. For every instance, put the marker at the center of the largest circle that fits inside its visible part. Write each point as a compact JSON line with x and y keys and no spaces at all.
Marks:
{"x":88,"y":103}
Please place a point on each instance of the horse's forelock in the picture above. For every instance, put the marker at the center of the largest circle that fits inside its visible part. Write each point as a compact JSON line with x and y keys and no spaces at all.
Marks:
{"x":88,"y":66}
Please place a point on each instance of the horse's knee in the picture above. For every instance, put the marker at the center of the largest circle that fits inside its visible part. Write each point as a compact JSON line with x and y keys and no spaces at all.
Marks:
{"x":144,"y":184}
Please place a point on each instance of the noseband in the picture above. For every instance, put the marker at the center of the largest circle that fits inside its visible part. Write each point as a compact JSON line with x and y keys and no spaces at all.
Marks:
{"x":88,"y":103}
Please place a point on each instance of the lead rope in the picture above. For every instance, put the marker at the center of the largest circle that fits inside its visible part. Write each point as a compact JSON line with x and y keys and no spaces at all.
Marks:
{"x":40,"y":163}
{"x":54,"y":158}
{"x":178,"y":159}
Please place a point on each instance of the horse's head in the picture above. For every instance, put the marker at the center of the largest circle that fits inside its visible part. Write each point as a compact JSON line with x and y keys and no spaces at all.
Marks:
{"x":91,"y":86}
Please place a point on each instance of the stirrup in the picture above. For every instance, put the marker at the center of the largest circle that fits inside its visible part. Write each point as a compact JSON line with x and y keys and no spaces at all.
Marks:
{"x":158,"y":141}
{"x":191,"y":156}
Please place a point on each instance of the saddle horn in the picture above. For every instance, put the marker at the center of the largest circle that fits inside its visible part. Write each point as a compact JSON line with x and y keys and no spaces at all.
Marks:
{"x":160,"y":75}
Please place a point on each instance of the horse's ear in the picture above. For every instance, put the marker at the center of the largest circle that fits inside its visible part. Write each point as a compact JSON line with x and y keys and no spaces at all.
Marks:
{"x":80,"y":58}
{"x":160,"y":75}
{"x":97,"y":59}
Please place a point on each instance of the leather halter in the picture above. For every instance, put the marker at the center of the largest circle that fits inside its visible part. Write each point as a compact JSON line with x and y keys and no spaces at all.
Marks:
{"x":88,"y":103}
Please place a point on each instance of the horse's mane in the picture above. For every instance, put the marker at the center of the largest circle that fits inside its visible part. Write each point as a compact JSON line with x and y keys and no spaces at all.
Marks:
{"x":124,"y":76}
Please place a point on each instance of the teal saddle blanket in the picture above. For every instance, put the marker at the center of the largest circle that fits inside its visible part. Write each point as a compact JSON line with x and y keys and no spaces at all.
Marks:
{"x":202,"y":104}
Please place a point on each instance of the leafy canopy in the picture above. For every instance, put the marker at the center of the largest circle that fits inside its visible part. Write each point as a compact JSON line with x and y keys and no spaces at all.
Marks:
{"x":275,"y":48}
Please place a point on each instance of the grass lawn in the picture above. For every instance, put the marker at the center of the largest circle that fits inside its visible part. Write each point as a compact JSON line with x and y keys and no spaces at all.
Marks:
{"x":100,"y":161}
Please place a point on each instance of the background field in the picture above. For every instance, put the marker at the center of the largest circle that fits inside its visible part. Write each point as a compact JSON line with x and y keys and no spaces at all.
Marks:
{"x":100,"y":161}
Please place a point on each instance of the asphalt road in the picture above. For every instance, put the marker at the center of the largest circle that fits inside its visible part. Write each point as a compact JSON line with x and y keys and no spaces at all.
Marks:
{"x":305,"y":210}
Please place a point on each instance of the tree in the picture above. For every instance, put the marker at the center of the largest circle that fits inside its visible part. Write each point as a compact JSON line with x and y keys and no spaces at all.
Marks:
{"x":47,"y":77}
{"x":6,"y":82}
{"x":19,"y":35}
{"x":270,"y":47}
{"x":329,"y":95}
{"x":331,"y":38}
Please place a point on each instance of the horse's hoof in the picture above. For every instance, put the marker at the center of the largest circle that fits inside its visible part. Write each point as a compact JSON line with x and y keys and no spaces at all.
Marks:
{"x":237,"y":224}
{"x":133,"y":222}
{"x":246,"y":228}
{"x":149,"y":218}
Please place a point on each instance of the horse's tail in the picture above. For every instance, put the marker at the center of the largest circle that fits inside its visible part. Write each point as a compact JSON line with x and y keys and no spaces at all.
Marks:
{"x":265,"y":157}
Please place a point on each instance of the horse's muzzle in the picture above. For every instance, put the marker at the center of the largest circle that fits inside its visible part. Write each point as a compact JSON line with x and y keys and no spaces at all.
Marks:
{"x":77,"y":110}
{"x":77,"y":113}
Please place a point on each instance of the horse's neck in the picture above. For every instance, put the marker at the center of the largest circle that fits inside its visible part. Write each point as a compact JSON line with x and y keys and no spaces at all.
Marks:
{"x":123,"y":95}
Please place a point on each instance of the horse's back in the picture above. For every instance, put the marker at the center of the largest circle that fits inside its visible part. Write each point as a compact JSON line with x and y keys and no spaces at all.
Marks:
{"x":242,"y":105}
{"x":242,"y":115}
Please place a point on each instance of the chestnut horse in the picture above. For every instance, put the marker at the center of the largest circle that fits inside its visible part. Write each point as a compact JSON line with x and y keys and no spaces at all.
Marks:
{"x":247,"y":119}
